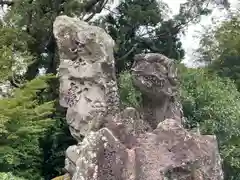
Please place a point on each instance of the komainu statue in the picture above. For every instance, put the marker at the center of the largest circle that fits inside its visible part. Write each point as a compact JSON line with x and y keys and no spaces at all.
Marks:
{"x":156,"y":76}
{"x":122,"y":144}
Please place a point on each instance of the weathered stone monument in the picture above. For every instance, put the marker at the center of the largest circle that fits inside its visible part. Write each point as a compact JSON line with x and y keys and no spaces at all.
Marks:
{"x":119,"y":144}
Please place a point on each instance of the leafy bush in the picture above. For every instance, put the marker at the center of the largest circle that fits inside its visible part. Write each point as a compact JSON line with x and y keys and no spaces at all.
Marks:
{"x":214,"y":103}
{"x":129,"y":95}
{"x":9,"y":176}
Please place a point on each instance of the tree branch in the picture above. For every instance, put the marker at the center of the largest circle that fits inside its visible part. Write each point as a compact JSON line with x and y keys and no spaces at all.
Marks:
{"x":128,"y":53}
{"x":90,"y":4}
{"x":29,"y":18}
{"x":13,"y":81}
{"x":97,"y":9}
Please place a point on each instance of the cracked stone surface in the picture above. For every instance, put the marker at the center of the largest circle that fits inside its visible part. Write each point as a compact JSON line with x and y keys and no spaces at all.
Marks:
{"x":87,"y":76}
{"x":168,"y":152}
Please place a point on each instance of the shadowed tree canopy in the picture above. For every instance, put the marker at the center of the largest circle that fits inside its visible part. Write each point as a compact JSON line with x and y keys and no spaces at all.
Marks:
{"x":35,"y":18}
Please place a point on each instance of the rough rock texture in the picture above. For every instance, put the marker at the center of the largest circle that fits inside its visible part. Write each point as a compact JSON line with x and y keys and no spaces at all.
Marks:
{"x":156,"y":76}
{"x":120,"y":145}
{"x":169,"y":152}
{"x":87,"y":79}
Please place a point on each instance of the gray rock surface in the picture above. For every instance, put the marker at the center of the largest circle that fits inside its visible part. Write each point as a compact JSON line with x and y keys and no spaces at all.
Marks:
{"x":120,"y":145}
{"x":169,"y":152}
{"x":87,"y":78}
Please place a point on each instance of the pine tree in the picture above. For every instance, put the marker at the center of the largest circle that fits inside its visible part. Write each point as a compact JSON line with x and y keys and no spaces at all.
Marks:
{"x":32,"y":23}
{"x":24,"y":120}
{"x":25,"y":109}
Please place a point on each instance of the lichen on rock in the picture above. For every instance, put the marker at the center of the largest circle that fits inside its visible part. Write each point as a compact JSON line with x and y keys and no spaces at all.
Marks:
{"x":87,"y":77}
{"x":155,"y":76}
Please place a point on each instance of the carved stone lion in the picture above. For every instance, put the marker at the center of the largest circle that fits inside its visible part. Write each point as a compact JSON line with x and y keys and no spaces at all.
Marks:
{"x":155,"y":76}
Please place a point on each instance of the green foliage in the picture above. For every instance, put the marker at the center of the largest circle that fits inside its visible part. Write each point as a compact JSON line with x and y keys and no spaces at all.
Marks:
{"x":28,"y":129}
{"x":36,"y":19}
{"x":138,"y":26}
{"x":24,"y":119}
{"x":9,"y":176}
{"x":129,"y":95}
{"x":221,"y":49}
{"x":214,"y":103}
{"x":27,"y":35}
{"x":208,"y":100}
{"x":54,"y":144}
{"x":33,"y":131}
{"x":13,"y":55}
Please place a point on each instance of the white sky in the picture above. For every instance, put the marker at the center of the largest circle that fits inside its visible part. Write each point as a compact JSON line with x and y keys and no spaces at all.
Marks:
{"x":190,"y":41}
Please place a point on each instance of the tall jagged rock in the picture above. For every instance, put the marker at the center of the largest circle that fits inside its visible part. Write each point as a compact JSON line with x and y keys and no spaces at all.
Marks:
{"x":87,"y":79}
{"x":120,"y":145}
